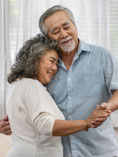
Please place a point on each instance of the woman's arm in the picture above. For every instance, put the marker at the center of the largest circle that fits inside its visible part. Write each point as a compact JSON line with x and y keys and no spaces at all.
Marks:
{"x":64,"y":127}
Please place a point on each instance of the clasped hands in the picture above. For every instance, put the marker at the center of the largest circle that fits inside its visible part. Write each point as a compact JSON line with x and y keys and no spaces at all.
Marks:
{"x":98,"y":116}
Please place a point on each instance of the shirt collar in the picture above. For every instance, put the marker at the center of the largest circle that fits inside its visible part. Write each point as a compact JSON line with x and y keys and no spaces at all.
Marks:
{"x":83,"y":47}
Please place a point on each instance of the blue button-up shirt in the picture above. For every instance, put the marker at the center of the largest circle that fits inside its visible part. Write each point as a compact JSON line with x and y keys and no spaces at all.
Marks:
{"x":90,"y":80}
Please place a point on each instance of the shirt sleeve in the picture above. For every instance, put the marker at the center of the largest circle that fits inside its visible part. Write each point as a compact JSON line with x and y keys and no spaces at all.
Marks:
{"x":40,"y":109}
{"x":110,"y":67}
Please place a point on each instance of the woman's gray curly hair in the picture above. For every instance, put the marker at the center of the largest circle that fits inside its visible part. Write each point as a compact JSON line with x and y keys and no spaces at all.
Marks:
{"x":27,"y":59}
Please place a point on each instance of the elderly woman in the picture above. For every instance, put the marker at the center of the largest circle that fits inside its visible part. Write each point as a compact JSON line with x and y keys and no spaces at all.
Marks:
{"x":35,"y":120}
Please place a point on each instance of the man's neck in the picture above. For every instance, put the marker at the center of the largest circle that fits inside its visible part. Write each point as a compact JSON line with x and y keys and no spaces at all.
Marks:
{"x":68,"y":59}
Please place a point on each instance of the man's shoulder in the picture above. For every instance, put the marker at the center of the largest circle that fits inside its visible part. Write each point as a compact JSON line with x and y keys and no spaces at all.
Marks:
{"x":97,"y":48}
{"x":98,"y":51}
{"x":84,"y":46}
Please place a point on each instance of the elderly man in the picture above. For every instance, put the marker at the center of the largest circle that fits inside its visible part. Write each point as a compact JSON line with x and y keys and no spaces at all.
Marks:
{"x":87,"y":76}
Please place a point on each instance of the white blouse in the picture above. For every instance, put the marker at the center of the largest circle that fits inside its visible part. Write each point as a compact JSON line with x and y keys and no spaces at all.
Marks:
{"x":32,"y":113}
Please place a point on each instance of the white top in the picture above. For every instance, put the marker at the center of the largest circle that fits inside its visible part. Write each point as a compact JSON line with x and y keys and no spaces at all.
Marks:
{"x":32,"y":113}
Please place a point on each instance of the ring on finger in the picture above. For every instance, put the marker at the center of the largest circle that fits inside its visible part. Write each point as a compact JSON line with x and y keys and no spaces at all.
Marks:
{"x":99,"y":113}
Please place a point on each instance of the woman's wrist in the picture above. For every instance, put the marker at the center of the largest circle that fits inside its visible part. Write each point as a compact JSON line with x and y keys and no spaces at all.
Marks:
{"x":87,"y":124}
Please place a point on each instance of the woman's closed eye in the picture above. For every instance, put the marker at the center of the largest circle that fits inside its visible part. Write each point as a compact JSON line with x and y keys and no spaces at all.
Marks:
{"x":53,"y":61}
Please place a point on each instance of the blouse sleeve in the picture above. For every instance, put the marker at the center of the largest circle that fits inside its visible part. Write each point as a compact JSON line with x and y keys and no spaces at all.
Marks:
{"x":44,"y":123}
{"x":40,"y":108}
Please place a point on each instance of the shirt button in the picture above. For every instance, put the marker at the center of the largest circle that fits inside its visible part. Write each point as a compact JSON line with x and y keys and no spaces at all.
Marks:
{"x":76,"y":57}
{"x":71,"y":136}
{"x":69,"y":117}
{"x":69,"y":78}
{"x":69,"y":97}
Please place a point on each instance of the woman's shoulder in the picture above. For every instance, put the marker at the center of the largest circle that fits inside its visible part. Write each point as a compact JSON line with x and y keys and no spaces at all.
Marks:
{"x":31,"y":84}
{"x":27,"y":81}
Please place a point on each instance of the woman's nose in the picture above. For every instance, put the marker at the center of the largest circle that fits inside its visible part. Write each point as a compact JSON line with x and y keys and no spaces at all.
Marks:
{"x":54,"y":67}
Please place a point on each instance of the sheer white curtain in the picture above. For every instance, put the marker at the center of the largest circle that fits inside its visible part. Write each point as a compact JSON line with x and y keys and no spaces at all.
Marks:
{"x":96,"y":20}
{"x":24,"y":16}
{"x":4,"y":53}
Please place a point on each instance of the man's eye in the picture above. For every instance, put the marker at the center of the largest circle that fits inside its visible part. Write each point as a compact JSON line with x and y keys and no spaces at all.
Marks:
{"x":55,"y":32}
{"x":67,"y":27}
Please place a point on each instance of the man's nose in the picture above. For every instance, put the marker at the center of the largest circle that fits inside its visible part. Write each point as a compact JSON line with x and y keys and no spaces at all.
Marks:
{"x":63,"y":33}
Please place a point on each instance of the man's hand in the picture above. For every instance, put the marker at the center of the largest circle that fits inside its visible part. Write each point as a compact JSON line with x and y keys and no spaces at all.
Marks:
{"x":5,"y":126}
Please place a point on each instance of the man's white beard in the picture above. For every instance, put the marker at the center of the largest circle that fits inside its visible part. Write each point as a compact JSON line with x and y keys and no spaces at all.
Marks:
{"x":68,"y":47}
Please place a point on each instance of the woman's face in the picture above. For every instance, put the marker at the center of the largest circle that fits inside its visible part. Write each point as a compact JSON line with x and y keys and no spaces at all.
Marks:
{"x":47,"y":66}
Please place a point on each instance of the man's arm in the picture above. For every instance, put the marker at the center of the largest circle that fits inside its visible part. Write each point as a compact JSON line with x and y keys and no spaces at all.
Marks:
{"x":5,"y":126}
{"x":112,"y":104}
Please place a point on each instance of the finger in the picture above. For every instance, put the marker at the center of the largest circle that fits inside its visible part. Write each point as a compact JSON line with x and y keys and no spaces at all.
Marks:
{"x":8,"y":132}
{"x":6,"y":128}
{"x":106,"y":110}
{"x":95,"y":126}
{"x":103,"y":116}
{"x":99,"y":120}
{"x":98,"y":106}
{"x":5,"y":118}
{"x":3,"y":124}
{"x":109,"y":114}
{"x":103,"y":105}
{"x":104,"y":113}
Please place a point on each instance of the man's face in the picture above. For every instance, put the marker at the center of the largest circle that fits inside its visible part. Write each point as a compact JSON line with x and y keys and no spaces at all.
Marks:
{"x":61,"y":29}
